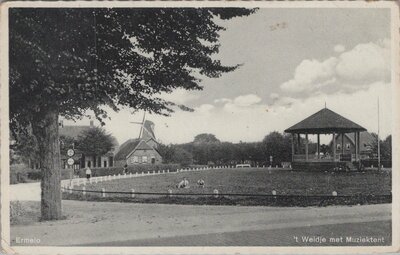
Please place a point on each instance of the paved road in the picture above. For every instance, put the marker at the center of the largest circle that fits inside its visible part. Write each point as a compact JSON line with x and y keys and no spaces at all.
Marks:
{"x":108,"y":222}
{"x":335,"y":235}
{"x":25,"y":191}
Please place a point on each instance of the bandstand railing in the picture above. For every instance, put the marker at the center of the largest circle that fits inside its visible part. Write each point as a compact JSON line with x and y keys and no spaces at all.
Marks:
{"x":324,"y":158}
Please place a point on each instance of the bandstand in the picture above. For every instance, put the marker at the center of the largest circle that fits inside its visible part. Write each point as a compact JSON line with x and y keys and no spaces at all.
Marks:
{"x":325,"y":122}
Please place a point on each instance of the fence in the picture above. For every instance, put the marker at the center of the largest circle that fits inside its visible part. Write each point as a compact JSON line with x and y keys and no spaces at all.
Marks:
{"x":216,"y":193}
{"x":96,"y":179}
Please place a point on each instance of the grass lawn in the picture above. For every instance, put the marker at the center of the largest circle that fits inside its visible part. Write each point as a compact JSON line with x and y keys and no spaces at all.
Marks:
{"x":253,"y":181}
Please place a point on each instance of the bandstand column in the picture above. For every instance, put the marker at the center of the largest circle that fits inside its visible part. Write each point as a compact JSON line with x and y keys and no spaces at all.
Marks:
{"x":342,"y":143}
{"x":298,"y":143}
{"x":306,"y":147}
{"x":293,"y":136}
{"x":318,"y":146}
{"x":356,"y":145}
{"x":334,"y":146}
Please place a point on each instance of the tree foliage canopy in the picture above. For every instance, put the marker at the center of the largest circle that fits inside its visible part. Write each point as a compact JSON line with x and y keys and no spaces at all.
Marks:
{"x":95,"y":142}
{"x":73,"y":60}
{"x":205,"y":138}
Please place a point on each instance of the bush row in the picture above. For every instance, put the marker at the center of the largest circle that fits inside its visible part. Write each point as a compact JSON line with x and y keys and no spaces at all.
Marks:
{"x":374,"y":163}
{"x":22,"y":174}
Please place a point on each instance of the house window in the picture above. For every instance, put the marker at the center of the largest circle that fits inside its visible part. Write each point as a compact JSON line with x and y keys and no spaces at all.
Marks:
{"x":89,"y":163}
{"x":105,"y":163}
{"x":338,"y":146}
{"x":144,"y":159}
{"x":347,"y":146}
{"x":135,"y":159}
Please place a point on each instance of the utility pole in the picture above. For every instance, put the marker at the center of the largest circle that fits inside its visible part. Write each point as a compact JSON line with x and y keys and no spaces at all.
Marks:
{"x":379,"y":144}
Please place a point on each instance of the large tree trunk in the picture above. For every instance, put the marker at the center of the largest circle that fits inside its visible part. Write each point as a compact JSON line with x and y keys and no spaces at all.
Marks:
{"x":46,"y":132}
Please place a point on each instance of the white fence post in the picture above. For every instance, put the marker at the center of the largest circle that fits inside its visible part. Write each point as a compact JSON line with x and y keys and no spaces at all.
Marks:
{"x":70,"y":189}
{"x":334,"y":193}
{"x":274,"y":193}
{"x":169,"y":193}
{"x":84,"y":190}
{"x":133,"y":193}
{"x":103,"y":192}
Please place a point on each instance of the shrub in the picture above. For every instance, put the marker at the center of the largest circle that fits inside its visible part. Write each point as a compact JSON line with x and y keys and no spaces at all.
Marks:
{"x":374,"y":163}
{"x":34,"y":175}
{"x":20,"y":173}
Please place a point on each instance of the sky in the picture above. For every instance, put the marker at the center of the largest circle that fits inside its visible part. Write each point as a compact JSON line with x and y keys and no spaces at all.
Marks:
{"x":293,"y":62}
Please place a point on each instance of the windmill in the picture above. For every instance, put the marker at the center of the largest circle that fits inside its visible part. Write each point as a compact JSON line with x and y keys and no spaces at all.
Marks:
{"x":146,"y":128}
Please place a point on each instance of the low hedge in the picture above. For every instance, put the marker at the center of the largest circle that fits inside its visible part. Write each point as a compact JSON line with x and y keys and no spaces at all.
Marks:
{"x":130,"y":169}
{"x":22,"y":174}
{"x":374,"y":163}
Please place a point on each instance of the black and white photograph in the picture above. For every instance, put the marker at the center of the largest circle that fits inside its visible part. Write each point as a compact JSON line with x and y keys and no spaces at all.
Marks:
{"x":141,"y":127}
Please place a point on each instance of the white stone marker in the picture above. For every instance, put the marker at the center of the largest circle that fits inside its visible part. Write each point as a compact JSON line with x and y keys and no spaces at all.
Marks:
{"x":334,"y":193}
{"x":70,"y":189}
{"x":133,"y":193}
{"x":84,"y":191}
{"x":170,"y":193}
{"x":216,"y":192}
{"x":103,"y":192}
{"x":274,"y":192}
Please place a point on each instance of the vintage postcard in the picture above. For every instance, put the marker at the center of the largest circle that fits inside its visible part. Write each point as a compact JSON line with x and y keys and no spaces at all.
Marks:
{"x":199,"y":127}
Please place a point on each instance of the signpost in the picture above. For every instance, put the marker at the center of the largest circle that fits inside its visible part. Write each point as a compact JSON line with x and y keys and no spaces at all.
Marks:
{"x":71,"y":162}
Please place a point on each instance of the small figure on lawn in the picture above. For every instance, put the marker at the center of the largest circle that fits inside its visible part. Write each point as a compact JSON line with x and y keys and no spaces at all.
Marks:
{"x":183,"y":184}
{"x":125,"y":169}
{"x":88,"y":173}
{"x":201,"y":183}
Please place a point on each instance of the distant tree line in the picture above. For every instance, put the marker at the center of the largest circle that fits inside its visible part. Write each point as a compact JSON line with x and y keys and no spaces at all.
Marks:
{"x":206,"y":149}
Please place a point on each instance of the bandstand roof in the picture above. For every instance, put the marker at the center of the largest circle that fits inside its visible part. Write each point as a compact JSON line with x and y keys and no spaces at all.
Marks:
{"x":325,"y":121}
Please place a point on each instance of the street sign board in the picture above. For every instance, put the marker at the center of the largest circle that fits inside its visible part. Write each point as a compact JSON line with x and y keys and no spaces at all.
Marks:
{"x":70,"y":152}
{"x":70,"y":161}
